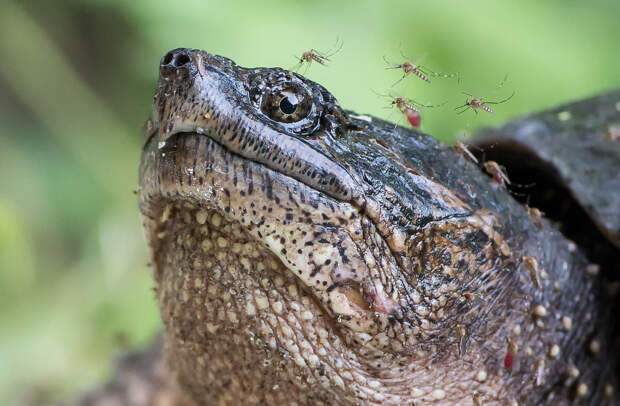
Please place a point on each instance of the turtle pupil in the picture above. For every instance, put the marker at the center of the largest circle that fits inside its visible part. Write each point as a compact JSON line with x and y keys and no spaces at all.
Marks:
{"x":288,"y":104}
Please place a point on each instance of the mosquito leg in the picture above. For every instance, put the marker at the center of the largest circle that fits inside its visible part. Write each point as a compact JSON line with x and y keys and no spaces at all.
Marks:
{"x":399,"y":80}
{"x":390,"y":64}
{"x":337,"y":47}
{"x":501,"y":101}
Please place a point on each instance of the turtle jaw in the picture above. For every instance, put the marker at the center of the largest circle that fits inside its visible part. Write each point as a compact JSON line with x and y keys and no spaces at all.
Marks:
{"x":317,"y":238}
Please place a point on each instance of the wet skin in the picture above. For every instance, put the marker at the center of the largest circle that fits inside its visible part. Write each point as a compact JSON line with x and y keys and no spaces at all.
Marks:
{"x":304,"y":254}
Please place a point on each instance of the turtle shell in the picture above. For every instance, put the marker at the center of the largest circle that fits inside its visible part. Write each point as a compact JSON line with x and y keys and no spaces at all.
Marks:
{"x":566,"y":162}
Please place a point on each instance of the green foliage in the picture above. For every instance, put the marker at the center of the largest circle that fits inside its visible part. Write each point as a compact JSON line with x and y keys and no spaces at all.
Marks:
{"x":76,"y":82}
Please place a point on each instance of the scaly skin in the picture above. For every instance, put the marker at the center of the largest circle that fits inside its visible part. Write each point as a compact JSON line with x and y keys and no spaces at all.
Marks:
{"x":337,"y":260}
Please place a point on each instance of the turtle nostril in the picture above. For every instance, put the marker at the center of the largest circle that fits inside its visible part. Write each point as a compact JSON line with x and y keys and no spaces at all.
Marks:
{"x":175,"y":63}
{"x":182,"y":59}
{"x":168,"y":58}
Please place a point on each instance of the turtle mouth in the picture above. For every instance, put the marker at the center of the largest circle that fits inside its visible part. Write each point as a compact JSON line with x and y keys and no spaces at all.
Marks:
{"x":177,"y":191}
{"x":204,"y":242}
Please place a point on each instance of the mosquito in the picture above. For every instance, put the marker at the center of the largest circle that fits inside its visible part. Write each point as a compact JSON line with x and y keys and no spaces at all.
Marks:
{"x":408,"y":108}
{"x":503,"y":82}
{"x":461,"y":334}
{"x":478,"y":103}
{"x":477,"y":399}
{"x":536,"y":216}
{"x":415,"y":68}
{"x":197,"y":59}
{"x":319,"y":57}
{"x":496,"y":172}
{"x":511,"y":353}
{"x":613,"y":134}
{"x":531,"y":264}
{"x":461,"y":148}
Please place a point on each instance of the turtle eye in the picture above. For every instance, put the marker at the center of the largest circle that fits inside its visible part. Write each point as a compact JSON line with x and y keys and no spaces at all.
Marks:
{"x":286,"y":105}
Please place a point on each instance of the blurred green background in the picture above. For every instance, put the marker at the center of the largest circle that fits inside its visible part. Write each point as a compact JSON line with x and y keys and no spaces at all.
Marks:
{"x":76,"y":82}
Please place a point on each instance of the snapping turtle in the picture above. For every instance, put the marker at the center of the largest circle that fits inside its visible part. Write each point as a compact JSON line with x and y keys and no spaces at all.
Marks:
{"x":303,"y":254}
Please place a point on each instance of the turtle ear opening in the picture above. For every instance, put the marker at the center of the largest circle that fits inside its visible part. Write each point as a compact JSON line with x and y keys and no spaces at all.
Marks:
{"x":537,"y":183}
